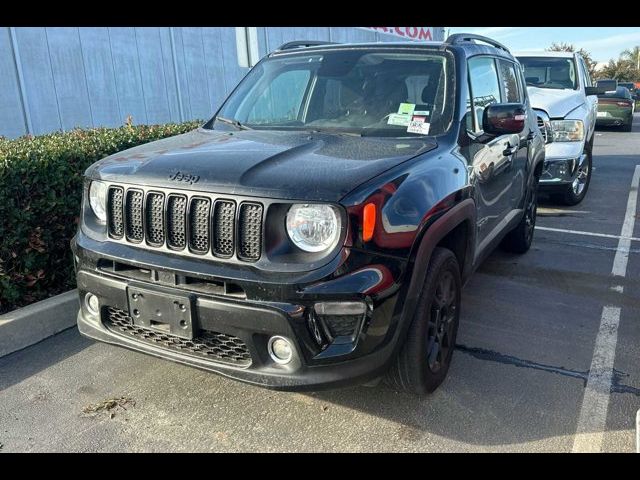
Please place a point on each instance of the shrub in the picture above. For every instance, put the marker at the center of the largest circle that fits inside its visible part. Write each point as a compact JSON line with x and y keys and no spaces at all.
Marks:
{"x":40,"y":196}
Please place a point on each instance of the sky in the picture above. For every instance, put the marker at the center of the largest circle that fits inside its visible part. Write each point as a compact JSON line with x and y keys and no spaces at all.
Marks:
{"x":603,"y":43}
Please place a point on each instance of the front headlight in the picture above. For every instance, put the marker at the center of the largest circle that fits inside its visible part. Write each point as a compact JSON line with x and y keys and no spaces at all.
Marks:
{"x":313,"y":228}
{"x":567,"y":130}
{"x":98,"y":200}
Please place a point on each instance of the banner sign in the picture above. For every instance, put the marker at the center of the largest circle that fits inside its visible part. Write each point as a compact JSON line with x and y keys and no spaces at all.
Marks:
{"x":412,"y":33}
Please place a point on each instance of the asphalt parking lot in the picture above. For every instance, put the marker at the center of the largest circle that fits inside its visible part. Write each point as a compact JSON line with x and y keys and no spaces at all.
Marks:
{"x":523,"y":378}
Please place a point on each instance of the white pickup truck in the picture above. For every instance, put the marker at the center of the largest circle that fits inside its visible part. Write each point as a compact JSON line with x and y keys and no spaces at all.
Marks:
{"x":566,"y":104}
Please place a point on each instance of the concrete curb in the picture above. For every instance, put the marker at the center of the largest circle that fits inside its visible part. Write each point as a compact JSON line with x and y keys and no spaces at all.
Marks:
{"x":28,"y":325}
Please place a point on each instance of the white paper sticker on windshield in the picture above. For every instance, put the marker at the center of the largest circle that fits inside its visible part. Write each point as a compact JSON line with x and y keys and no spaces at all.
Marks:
{"x":418,"y":126}
{"x":397,"y":119}
{"x":424,"y":113}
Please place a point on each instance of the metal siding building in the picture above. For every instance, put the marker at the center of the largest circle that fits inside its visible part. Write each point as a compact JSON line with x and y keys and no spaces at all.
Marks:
{"x":59,"y":78}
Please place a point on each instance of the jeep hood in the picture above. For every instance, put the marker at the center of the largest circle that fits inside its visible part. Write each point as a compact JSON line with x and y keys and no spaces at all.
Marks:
{"x":275,"y":164}
{"x":557,"y":103}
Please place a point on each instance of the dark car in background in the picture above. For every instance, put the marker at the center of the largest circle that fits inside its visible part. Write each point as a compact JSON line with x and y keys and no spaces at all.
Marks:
{"x":616,"y":108}
{"x":632,"y":88}
{"x":317,"y":231}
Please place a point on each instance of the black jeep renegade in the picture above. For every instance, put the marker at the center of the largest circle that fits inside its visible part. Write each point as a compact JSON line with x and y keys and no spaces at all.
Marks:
{"x":318,"y":229}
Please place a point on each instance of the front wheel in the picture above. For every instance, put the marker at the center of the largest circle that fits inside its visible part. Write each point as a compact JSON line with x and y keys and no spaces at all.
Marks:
{"x":577,"y":190}
{"x":423,"y":362}
{"x":519,"y":239}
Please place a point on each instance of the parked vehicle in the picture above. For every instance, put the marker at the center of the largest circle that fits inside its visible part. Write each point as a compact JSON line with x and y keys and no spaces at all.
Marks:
{"x":616,"y":109}
{"x":565,"y":101}
{"x":317,"y":231}
{"x":632,"y":89}
{"x":607,"y":85}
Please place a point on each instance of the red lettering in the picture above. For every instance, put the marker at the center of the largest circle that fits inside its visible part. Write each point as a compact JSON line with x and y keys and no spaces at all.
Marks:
{"x":399,"y":32}
{"x":412,"y":32}
{"x":424,"y":34}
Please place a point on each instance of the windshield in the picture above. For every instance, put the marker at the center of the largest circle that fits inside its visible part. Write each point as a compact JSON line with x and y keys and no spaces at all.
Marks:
{"x":549,"y":72}
{"x":357,"y":91}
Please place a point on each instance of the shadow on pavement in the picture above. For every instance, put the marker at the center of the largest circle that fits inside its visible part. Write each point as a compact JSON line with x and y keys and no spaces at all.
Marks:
{"x":24,"y":363}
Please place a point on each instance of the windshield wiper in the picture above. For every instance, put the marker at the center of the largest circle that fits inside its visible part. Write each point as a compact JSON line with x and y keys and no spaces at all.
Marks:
{"x":234,"y":122}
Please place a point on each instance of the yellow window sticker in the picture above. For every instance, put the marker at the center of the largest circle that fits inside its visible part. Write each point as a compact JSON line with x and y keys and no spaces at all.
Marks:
{"x":406,"y":108}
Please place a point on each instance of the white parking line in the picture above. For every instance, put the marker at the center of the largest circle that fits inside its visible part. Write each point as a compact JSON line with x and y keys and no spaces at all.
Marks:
{"x":591,"y":234}
{"x":595,"y":403}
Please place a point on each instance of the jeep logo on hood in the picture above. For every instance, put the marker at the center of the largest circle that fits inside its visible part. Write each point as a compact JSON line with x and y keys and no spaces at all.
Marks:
{"x":184,"y":177}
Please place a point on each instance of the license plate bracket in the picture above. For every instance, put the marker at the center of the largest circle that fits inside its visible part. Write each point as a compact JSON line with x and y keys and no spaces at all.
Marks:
{"x":162,"y":312}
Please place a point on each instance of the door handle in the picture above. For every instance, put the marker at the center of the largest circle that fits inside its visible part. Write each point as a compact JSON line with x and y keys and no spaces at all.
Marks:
{"x":509,"y":150}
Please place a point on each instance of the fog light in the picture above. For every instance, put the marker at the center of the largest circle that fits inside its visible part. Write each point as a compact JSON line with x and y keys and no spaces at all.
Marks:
{"x":92,"y":303}
{"x":280,"y":350}
{"x":562,"y":169}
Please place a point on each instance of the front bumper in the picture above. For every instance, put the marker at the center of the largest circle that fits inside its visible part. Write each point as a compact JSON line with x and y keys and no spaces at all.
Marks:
{"x":245,"y":325}
{"x":561,"y":164}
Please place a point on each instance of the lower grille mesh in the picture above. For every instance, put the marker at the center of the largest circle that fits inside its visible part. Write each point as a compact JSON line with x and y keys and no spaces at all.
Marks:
{"x":216,"y":346}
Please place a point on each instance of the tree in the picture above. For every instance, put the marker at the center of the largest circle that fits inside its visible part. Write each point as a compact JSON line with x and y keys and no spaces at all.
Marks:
{"x":621,"y":70}
{"x":568,"y":47}
{"x":633,"y":55}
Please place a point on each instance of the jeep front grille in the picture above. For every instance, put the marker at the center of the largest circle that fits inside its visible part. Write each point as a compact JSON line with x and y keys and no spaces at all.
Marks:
{"x":134,"y":216}
{"x":154,"y":215}
{"x":250,"y":243}
{"x":216,"y":346}
{"x":176,"y":221}
{"x":224,"y":225}
{"x":192,"y":224}
{"x":114,"y":207}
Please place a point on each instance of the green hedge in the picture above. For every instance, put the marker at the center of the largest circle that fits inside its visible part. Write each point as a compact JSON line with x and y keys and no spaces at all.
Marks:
{"x":40,"y":194}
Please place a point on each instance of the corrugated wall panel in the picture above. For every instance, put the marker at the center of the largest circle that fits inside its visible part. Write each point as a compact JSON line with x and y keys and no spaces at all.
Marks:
{"x":183,"y":83}
{"x":100,"y":77}
{"x":196,"y":72}
{"x":38,"y":79}
{"x":213,"y":47}
{"x":12,"y":120}
{"x":68,"y":75}
{"x":152,"y":74}
{"x":128,"y":78}
{"x":169,"y":74}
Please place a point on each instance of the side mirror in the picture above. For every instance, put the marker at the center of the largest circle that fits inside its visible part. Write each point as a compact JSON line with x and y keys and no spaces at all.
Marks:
{"x":594,"y":91}
{"x":503,"y":118}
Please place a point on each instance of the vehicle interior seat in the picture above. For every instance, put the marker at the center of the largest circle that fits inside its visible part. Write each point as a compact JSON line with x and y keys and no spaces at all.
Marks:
{"x":561,"y":77}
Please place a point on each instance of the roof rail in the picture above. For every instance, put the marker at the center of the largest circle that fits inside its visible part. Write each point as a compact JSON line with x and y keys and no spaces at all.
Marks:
{"x":303,"y":43}
{"x":469,"y":37}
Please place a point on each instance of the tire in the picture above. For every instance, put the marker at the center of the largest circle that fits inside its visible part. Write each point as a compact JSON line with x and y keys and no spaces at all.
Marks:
{"x":423,"y":361}
{"x":627,"y":127}
{"x":519,"y":239}
{"x":574,"y":194}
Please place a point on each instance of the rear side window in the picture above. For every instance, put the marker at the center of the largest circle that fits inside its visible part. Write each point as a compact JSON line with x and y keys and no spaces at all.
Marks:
{"x":512,"y":93}
{"x":485,"y":86}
